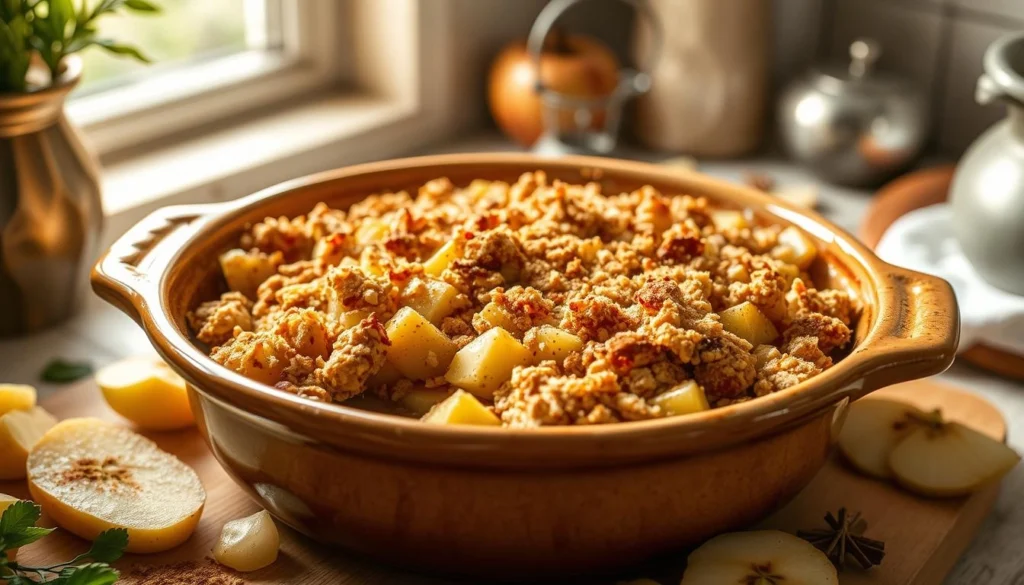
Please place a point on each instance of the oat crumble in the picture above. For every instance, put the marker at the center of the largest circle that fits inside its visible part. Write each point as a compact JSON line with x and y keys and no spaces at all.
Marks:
{"x":638,"y":279}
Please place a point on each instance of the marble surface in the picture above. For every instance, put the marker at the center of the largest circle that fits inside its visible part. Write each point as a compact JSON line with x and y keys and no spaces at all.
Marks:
{"x":101,"y":334}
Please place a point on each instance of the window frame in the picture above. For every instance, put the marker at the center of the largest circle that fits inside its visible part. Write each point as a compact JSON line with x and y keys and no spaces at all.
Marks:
{"x":302,"y":56}
{"x":403,"y":90}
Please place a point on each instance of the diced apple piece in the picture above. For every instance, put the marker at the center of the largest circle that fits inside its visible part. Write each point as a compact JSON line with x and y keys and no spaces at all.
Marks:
{"x":497,"y":317}
{"x":245,"y":271}
{"x":686,"y":398}
{"x":248,"y":544}
{"x":551,"y":343}
{"x":795,"y":247}
{"x":738,"y":273}
{"x":20,"y":430}
{"x":461,"y":408}
{"x":789,"y":272}
{"x":442,"y":259}
{"x":729,"y":219}
{"x":434,"y":299}
{"x":748,"y":322}
{"x":147,"y":392}
{"x":419,"y":401}
{"x":388,"y":374}
{"x":418,"y":349}
{"x":371,"y":231}
{"x":16,"y":397}
{"x":487,"y":362}
{"x":350,"y":319}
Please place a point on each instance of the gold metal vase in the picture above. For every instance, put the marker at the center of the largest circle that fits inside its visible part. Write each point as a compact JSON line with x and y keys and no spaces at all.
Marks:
{"x":50,"y":209}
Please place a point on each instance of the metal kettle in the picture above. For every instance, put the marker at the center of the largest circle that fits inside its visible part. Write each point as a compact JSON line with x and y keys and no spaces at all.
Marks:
{"x":853,"y":125}
{"x":987,"y":194}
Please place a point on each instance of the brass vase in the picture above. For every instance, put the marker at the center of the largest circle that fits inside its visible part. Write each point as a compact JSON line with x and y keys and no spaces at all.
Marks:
{"x":50,"y":210}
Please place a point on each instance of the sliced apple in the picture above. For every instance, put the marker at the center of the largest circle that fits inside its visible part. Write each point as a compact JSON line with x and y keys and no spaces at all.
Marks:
{"x":90,"y":476}
{"x":147,"y":392}
{"x":947,"y":459}
{"x":686,"y":398}
{"x":20,"y":430}
{"x":16,"y":397}
{"x":872,"y":430}
{"x":248,"y":544}
{"x":767,"y":557}
{"x":461,"y":408}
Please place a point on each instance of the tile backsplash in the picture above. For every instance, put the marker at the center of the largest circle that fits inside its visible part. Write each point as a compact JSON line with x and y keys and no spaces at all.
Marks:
{"x":937,"y":43}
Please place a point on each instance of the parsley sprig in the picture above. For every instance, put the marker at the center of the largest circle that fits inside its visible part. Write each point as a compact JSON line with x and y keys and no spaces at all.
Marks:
{"x":18,"y":528}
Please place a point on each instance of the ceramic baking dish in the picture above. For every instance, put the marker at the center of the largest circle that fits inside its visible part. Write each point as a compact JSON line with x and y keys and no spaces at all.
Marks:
{"x":500,"y":503}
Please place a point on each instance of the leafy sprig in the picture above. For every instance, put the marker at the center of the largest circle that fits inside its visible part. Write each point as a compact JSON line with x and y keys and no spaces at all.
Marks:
{"x":18,"y":528}
{"x":54,"y":29}
{"x":62,"y":371}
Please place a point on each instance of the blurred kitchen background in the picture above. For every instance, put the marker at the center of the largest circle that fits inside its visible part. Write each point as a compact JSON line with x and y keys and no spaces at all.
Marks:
{"x":244,"y":94}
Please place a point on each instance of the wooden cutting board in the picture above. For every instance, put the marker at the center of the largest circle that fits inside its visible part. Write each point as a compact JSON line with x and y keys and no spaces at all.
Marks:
{"x":923,"y":537}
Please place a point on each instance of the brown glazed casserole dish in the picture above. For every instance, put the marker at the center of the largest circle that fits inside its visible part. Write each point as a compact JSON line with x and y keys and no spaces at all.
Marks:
{"x":501,"y":503}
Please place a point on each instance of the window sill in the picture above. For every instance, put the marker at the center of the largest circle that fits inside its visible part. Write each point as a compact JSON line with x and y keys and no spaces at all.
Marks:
{"x":323,"y":133}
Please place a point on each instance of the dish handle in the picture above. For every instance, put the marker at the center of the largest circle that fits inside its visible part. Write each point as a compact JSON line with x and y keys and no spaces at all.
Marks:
{"x":919,"y":337}
{"x":121,"y":276}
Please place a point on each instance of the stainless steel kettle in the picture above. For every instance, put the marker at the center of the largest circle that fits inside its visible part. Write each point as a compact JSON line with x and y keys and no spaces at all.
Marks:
{"x":853,"y":125}
{"x":987,"y":194}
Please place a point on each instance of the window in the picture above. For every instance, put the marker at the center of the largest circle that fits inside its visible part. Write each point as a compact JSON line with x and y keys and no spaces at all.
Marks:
{"x":212,"y":59}
{"x":186,"y":32}
{"x":334,"y":82}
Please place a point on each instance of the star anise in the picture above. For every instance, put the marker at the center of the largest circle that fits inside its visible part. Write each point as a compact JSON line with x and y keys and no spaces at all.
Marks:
{"x":843,"y":538}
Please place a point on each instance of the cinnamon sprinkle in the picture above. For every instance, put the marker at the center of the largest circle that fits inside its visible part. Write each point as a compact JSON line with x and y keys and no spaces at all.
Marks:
{"x":205,"y":572}
{"x":108,"y":471}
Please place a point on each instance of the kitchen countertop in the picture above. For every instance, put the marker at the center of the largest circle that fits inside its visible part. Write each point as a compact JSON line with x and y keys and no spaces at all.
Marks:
{"x":101,"y":334}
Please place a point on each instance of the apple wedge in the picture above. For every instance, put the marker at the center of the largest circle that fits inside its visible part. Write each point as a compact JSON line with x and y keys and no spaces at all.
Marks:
{"x":767,"y":557}
{"x":16,"y":397}
{"x":461,"y":408}
{"x":147,"y":392}
{"x":872,"y":430}
{"x":90,"y":475}
{"x":248,"y":544}
{"x":947,"y":459}
{"x":20,"y":430}
{"x":686,"y":398}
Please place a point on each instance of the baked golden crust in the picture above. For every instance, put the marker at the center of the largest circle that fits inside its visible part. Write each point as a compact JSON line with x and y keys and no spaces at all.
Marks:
{"x":637,"y":279}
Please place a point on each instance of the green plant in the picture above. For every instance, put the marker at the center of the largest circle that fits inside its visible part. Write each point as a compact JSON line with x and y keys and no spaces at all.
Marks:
{"x":18,"y":528}
{"x":54,"y":29}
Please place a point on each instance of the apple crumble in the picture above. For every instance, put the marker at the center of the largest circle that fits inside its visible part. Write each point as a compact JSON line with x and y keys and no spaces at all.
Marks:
{"x":535,"y":303}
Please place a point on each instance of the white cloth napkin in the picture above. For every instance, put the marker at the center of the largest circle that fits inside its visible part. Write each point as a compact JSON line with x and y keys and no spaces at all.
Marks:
{"x":923,"y":240}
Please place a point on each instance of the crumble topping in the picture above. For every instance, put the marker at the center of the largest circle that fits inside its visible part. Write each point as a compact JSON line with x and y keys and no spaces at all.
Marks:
{"x":639,"y":280}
